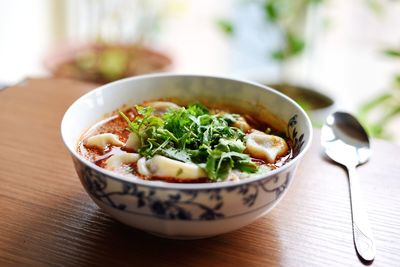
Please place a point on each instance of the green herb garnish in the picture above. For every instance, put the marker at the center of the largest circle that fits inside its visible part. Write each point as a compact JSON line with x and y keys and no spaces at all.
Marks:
{"x":194,"y":135}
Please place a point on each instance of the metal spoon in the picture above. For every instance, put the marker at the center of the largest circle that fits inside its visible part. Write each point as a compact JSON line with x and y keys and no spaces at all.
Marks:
{"x":346,"y":142}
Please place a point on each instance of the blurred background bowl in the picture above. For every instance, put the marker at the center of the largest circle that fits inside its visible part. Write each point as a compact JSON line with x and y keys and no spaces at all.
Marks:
{"x":317,"y":105}
{"x":104,"y":62}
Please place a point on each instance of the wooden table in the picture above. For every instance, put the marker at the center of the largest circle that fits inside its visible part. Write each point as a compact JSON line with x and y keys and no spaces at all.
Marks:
{"x":46,"y":218}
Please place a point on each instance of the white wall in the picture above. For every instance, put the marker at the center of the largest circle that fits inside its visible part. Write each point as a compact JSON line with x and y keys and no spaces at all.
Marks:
{"x":24,"y":38}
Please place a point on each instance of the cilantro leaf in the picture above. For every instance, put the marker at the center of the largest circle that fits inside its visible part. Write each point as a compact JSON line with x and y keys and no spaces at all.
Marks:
{"x":192,"y":134}
{"x":173,"y":153}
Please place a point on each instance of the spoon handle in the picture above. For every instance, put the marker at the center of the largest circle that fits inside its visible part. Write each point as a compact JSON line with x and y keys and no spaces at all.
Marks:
{"x":362,"y":234}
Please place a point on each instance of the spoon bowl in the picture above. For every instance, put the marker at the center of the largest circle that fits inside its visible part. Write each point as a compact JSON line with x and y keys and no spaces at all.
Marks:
{"x":346,"y":142}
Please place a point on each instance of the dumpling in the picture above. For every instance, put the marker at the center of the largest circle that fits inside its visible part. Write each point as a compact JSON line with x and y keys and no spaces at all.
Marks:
{"x":242,"y":124}
{"x":233,"y":176}
{"x":133,"y":142}
{"x":161,"y":166}
{"x":142,"y":167}
{"x":103,"y":141}
{"x":117,"y":160}
{"x":264,"y":146}
{"x":160,"y":107}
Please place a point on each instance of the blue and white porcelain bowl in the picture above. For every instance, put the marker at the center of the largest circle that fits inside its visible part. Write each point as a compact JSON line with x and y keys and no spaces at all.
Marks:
{"x":186,"y":211}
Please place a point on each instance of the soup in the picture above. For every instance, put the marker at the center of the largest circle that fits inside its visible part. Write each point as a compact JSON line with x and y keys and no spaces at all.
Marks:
{"x":194,"y":144}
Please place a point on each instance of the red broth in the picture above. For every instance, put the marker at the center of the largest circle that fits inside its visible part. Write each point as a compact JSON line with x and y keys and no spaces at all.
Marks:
{"x":117,"y":125}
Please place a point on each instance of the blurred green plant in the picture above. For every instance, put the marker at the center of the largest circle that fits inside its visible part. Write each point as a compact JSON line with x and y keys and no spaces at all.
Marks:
{"x":381,"y":110}
{"x":289,"y":17}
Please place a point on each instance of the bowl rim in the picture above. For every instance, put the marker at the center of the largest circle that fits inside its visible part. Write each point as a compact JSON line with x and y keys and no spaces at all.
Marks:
{"x":186,"y":186}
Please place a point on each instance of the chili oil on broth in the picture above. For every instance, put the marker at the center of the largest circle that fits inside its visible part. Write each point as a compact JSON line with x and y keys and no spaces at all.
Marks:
{"x":116,"y":124}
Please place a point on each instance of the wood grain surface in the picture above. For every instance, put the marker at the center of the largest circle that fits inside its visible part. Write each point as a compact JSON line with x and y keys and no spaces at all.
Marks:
{"x":46,"y":218}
